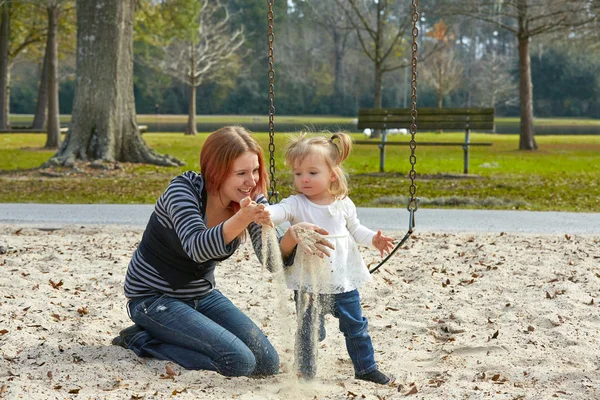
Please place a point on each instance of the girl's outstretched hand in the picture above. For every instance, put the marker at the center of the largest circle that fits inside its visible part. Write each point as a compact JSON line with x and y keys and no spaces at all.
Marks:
{"x":308,"y":237}
{"x":383,"y":243}
{"x":254,"y":212}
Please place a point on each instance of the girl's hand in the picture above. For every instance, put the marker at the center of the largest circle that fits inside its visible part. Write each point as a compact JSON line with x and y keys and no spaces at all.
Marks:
{"x":308,"y":237}
{"x":254,"y":212}
{"x":383,"y":243}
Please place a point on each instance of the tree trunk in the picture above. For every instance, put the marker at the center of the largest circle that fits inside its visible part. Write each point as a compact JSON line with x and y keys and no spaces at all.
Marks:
{"x":190,"y":128}
{"x":4,"y":34}
{"x":338,"y":76}
{"x":104,"y":121}
{"x":53,"y":137}
{"x":527,"y":139}
{"x":378,"y":96}
{"x":41,"y":108}
{"x":440,"y":100}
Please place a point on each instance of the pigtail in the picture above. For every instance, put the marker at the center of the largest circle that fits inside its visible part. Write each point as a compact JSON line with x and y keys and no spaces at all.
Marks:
{"x":344,"y":145}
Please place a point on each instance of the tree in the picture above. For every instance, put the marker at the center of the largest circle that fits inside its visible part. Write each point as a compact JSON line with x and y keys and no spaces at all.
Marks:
{"x":104,"y":120}
{"x":59,"y":20}
{"x":4,"y":35}
{"x":332,"y":18}
{"x":443,"y":72}
{"x":526,"y":19}
{"x":493,"y":83}
{"x":380,"y":32}
{"x":20,"y":29}
{"x":200,"y":43}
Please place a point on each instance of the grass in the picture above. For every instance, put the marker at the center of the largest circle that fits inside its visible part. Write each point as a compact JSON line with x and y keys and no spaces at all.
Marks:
{"x":561,"y":176}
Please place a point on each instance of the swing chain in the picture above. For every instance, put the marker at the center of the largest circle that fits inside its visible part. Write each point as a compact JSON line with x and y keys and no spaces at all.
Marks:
{"x":271,"y":59}
{"x":413,"y":201}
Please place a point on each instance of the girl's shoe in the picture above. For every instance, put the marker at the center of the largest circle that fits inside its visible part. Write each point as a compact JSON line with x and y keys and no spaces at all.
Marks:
{"x":376,"y":376}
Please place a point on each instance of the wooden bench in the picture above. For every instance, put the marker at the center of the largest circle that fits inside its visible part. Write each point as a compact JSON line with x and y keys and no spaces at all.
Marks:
{"x":428,"y":119}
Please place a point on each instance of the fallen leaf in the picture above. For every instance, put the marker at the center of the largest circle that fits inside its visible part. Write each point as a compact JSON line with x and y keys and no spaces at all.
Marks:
{"x":412,"y":391}
{"x":56,"y":285}
{"x":170,"y":371}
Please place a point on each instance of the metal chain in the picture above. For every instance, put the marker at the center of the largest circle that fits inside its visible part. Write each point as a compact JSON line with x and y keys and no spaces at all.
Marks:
{"x":271,"y":36}
{"x":413,"y":201}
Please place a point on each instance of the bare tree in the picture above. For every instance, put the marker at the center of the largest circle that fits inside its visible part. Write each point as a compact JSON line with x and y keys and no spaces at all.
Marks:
{"x":527,"y":19}
{"x":443,"y":73}
{"x":104,"y":123}
{"x":381,"y":29}
{"x":493,"y":83}
{"x":209,"y":46}
{"x":335,"y":22}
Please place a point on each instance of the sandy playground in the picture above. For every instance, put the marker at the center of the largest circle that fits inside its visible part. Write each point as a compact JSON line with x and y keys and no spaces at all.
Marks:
{"x":452,"y":316}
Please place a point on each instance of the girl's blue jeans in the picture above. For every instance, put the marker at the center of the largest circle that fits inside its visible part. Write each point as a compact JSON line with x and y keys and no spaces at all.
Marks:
{"x":346,"y":308}
{"x":208,"y":333}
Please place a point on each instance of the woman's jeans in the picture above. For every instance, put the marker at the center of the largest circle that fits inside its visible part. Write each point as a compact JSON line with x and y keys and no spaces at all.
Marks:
{"x":208,"y":333}
{"x":346,"y":308}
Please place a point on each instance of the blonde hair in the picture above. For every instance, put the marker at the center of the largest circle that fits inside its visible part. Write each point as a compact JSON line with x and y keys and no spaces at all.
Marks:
{"x":334,"y":153}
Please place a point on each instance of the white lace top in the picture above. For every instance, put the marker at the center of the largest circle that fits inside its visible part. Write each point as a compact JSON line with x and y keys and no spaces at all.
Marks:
{"x":345,"y":270}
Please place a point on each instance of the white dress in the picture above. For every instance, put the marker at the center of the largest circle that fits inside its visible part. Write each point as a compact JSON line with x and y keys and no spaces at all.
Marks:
{"x":345,"y":270}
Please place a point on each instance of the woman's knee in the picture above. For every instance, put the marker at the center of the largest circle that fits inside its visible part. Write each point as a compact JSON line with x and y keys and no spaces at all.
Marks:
{"x":238,"y":362}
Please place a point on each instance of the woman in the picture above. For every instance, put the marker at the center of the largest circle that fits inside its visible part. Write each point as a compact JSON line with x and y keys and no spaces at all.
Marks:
{"x":199,"y":220}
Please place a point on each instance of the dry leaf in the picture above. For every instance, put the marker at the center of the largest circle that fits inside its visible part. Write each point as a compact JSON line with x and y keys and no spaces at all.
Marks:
{"x":170,"y":371}
{"x":495,"y":335}
{"x":412,"y":391}
{"x":55,"y":285}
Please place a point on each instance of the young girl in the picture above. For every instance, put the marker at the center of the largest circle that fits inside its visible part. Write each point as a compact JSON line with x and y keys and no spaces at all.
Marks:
{"x":329,"y":285}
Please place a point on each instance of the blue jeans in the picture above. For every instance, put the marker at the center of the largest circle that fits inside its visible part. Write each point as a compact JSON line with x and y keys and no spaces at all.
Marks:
{"x":346,"y":308}
{"x":208,"y":333}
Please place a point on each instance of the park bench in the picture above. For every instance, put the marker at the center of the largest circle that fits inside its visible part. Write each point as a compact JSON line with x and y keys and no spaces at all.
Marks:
{"x":428,"y":119}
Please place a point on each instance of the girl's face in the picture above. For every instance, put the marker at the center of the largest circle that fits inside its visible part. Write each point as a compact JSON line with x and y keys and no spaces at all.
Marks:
{"x":242,"y":178}
{"x":313,"y":178}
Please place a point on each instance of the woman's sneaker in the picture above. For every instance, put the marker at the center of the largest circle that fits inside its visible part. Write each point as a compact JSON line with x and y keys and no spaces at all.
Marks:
{"x":376,"y":376}
{"x":126,"y":335}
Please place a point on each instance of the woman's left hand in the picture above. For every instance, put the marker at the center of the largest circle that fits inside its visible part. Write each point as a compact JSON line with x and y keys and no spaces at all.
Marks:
{"x":383,"y":243}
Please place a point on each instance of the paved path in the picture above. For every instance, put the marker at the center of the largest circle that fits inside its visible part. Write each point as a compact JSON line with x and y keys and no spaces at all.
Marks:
{"x":390,"y":219}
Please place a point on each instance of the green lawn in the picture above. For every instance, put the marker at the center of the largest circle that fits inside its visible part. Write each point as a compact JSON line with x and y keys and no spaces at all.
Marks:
{"x":563,"y":175}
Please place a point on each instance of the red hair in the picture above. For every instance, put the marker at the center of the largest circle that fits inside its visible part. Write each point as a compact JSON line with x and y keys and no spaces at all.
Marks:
{"x":221,"y":149}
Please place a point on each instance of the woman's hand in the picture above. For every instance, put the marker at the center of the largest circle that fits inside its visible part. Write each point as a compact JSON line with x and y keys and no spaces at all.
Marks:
{"x":308,"y":237}
{"x":383,"y":243}
{"x":251,"y":211}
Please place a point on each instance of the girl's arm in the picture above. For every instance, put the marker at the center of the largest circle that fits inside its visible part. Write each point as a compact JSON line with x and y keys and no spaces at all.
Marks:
{"x":359,"y":232}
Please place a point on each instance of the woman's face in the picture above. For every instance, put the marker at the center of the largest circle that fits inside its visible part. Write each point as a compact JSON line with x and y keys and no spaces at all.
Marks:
{"x":242,"y":178}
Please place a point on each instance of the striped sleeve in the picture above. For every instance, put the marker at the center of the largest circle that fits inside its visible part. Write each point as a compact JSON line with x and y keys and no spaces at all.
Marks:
{"x":180,"y":208}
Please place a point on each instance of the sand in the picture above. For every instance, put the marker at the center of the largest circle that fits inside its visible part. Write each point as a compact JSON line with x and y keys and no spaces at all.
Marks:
{"x":452,"y":316}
